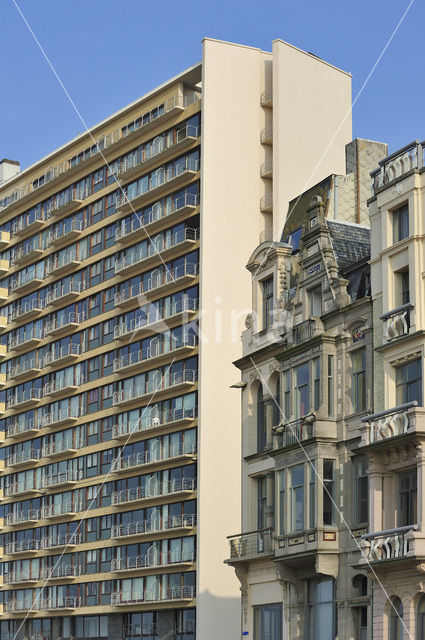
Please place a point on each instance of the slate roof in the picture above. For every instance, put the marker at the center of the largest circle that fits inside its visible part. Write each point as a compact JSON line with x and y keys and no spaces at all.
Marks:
{"x":351,"y":242}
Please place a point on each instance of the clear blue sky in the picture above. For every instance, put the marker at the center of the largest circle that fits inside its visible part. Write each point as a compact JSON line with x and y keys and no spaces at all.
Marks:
{"x":110,"y":52}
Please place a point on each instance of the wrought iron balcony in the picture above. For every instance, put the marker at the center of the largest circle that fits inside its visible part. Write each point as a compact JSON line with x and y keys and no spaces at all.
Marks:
{"x":306,"y":330}
{"x":251,"y":545}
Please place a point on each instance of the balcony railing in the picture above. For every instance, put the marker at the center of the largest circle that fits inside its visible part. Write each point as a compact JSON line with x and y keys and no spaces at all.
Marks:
{"x":293,"y":432}
{"x":56,"y":510}
{"x":139,"y":459}
{"x":186,"y":306}
{"x":61,"y":354}
{"x":153,"y":421}
{"x":64,"y":477}
{"x":62,"y":291}
{"x":18,"y":576}
{"x":66,"y":320}
{"x":23,"y":457}
{"x":23,"y":546}
{"x":23,"y":368}
{"x":154,"y":350}
{"x":65,"y":602}
{"x":397,"y":322}
{"x":64,"y":540}
{"x":170,"y":594}
{"x":32,"y":308}
{"x":127,"y":228}
{"x":250,"y":545}
{"x":27,"y":396}
{"x":152,"y":560}
{"x":398,"y":164}
{"x":20,"y":517}
{"x":15,"y":488}
{"x":306,"y":330}
{"x":24,"y":280}
{"x":62,"y":263}
{"x":18,"y":428}
{"x":387,"y":424}
{"x":68,"y":230}
{"x":60,"y":571}
{"x":25,"y":337}
{"x":61,"y":385}
{"x":388,"y":545}
{"x":59,"y":416}
{"x":58,"y":448}
{"x":154,"y":525}
{"x":152,"y":490}
{"x":180,"y":377}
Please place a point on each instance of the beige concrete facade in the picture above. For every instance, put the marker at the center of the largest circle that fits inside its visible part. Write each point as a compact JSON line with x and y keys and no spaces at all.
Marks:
{"x":123,"y":293}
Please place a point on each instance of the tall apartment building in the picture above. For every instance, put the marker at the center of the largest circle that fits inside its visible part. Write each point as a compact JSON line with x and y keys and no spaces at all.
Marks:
{"x":393,"y":434}
{"x":307,"y":349}
{"x":122,"y":284}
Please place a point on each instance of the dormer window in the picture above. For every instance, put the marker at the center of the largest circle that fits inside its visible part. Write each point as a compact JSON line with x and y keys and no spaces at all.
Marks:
{"x":267,"y":287}
{"x":400,"y":223}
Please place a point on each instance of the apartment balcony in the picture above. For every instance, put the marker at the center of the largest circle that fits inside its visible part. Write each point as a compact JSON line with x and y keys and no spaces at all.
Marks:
{"x":24,"y":255}
{"x":131,"y":231}
{"x":19,"y":577}
{"x":60,"y":418}
{"x":64,"y":205}
{"x":4,"y":240}
{"x":150,"y":356}
{"x":23,"y":547}
{"x":28,"y":398}
{"x":71,"y":232}
{"x":64,"y":479}
{"x":60,"y":387}
{"x":184,"y":241}
{"x":65,"y":293}
{"x":133,"y":564}
{"x":397,"y":322}
{"x":153,"y":597}
{"x":160,"y":151}
{"x":179,"y":380}
{"x":251,"y":546}
{"x":399,"y":421}
{"x":179,"y":451}
{"x":20,"y":489}
{"x":61,"y":449}
{"x":306,"y":330}
{"x":63,"y":265}
{"x":66,"y":324}
{"x":23,"y":458}
{"x":58,"y":511}
{"x":31,"y":516}
{"x":68,"y":540}
{"x":397,"y":165}
{"x":24,"y":283}
{"x":393,"y":544}
{"x":62,"y":355}
{"x":164,"y":180}
{"x":21,"y":606}
{"x":22,"y":430}
{"x":154,"y":526}
{"x":179,"y":313}
{"x":27,"y":369}
{"x":170,"y":418}
{"x":29,"y":226}
{"x":266,"y":203}
{"x":161,"y":489}
{"x":266,"y":135}
{"x":66,"y":603}
{"x":28,"y":339}
{"x":266,"y":169}
{"x":66,"y":572}
{"x":159,"y":285}
{"x":26,"y":311}
{"x":266,"y":98}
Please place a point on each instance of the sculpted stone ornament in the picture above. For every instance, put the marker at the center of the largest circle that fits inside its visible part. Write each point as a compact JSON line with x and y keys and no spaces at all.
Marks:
{"x":248,"y":321}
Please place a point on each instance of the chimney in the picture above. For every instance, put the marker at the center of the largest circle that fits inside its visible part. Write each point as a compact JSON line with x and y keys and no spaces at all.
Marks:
{"x":8,"y":169}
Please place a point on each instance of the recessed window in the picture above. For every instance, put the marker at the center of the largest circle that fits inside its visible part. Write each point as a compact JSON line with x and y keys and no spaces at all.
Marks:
{"x":407,"y":513}
{"x":361,"y":488}
{"x":267,"y":287}
{"x":328,"y":491}
{"x":315,"y":302}
{"x":358,"y":363}
{"x":268,"y":622}
{"x":331,"y":386}
{"x":400,"y":223}
{"x":321,"y":610}
{"x":261,"y":502}
{"x":297,"y":497}
{"x":409,"y":382}
{"x":302,"y":390}
{"x":396,"y":620}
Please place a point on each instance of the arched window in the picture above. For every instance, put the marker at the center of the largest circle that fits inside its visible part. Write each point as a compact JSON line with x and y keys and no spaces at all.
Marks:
{"x":261,"y":421}
{"x":420,"y":634}
{"x":396,"y":620}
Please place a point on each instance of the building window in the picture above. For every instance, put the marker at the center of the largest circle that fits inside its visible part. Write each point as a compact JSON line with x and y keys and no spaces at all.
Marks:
{"x":268,"y":622}
{"x":267,"y":287}
{"x":358,"y":363}
{"x":302,"y":392}
{"x":261,"y":421}
{"x":328,"y":491}
{"x":277,"y":412}
{"x":396,"y":620}
{"x":287,"y":394}
{"x":409,"y":382}
{"x":400,"y":223}
{"x":315,"y":302}
{"x":297,"y":497}
{"x":330,"y":386}
{"x":321,"y":610}
{"x":361,"y":489}
{"x":312,"y":495}
{"x":261,"y":502}
{"x":282,"y":500}
{"x":407,"y":513}
{"x":316,"y":383}
{"x":421,"y":619}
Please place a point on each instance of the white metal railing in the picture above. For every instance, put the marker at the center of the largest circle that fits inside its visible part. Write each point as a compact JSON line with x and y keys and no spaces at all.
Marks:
{"x":53,"y":356}
{"x":14,"y":488}
{"x":160,"y":177}
{"x":66,"y":413}
{"x":154,"y":247}
{"x":28,"y":395}
{"x":174,"y":593}
{"x":62,"y":446}
{"x":139,"y":459}
{"x":25,"y":336}
{"x":60,"y":571}
{"x":152,"y":490}
{"x":22,"y":279}
{"x":63,"y":290}
{"x":390,"y":544}
{"x":21,"y":251}
{"x":18,"y":576}
{"x":60,"y":540}
{"x":61,"y":602}
{"x":60,"y":262}
{"x":159,"y":211}
{"x":65,"y":229}
{"x":23,"y":367}
{"x":16,"y":428}
{"x":23,"y":308}
{"x":26,"y":221}
{"x":22,"y":457}
{"x":22,"y":546}
{"x":131,"y":326}
{"x":16,"y":606}
{"x":152,"y":559}
{"x":155,"y":349}
{"x":153,"y":525}
{"x":60,"y":478}
{"x":64,"y":321}
{"x":58,"y":203}
{"x":152,"y":421}
{"x":139,"y":391}
{"x":53,"y":510}
{"x":62,"y":384}
{"x":22,"y":516}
